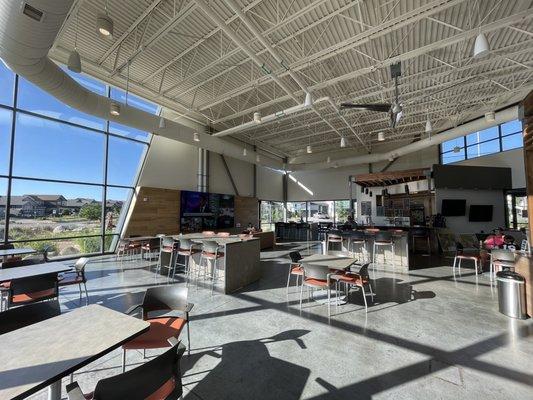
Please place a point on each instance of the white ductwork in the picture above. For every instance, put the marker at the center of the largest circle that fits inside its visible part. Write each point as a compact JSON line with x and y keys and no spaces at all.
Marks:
{"x":509,"y":114}
{"x":24,"y":46}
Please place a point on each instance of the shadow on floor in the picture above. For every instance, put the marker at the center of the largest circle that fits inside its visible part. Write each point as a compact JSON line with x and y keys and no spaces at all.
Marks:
{"x":246,"y":370}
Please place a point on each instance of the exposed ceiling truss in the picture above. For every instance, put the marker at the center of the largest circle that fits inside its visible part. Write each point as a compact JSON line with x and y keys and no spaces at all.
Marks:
{"x":174,"y":54}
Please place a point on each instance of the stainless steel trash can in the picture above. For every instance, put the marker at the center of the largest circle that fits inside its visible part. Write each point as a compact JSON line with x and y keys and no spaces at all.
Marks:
{"x":512,"y":294}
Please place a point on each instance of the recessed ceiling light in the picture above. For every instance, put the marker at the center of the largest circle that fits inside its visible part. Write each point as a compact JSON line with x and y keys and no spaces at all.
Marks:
{"x":74,"y":61}
{"x":114,"y":109}
{"x":104,"y":24}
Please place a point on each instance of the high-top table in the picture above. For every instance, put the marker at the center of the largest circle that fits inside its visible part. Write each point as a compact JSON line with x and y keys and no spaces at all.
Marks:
{"x":39,"y":355}
{"x":17,"y":251}
{"x":241,"y":262}
{"x":8,"y":274}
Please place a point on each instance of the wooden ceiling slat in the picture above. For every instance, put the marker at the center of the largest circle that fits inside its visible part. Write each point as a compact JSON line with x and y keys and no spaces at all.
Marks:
{"x":391,"y":178}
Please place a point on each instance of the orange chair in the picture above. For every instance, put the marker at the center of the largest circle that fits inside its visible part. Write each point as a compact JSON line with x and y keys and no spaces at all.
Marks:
{"x":32,"y":289}
{"x":316,"y":277}
{"x":156,"y":300}
{"x":359,"y":279}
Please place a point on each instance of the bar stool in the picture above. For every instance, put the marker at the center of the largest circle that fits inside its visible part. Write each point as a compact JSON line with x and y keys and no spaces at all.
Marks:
{"x":382,"y":239}
{"x":358,"y":238}
{"x":333,"y":237}
{"x":185,"y":249}
{"x":210,"y":253}
{"x":420,"y":233}
{"x":168,"y":246}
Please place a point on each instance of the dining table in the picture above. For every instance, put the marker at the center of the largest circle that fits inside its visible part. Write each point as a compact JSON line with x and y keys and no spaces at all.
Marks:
{"x":17,"y":251}
{"x":26,"y":271}
{"x":40,"y":355}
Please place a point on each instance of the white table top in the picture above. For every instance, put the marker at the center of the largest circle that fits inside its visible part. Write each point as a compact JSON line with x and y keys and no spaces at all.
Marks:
{"x":7,"y":274}
{"x":19,"y":251}
{"x":221,"y":240}
{"x":329,"y":261}
{"x":35,"y":356}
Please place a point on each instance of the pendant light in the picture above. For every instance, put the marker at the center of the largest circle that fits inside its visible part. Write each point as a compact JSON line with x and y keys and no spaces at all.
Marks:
{"x":257,"y":158}
{"x":114,"y":109}
{"x":244,"y":152}
{"x":196,"y":137}
{"x":381,"y":136}
{"x":257,"y":117}
{"x":104,"y":23}
{"x":481,"y":46}
{"x":309,"y":149}
{"x":328,"y":160}
{"x":74,"y":60}
{"x":429,"y":126}
{"x":308,"y":100}
{"x":162,"y":123}
{"x":343,"y":142}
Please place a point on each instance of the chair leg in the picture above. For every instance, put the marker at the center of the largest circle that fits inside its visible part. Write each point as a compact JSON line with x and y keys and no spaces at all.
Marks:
{"x":289,"y":281}
{"x":454,"y":262}
{"x":188,"y":339}
{"x":123,"y":360}
{"x":364,"y":297}
{"x":371,"y":292}
{"x":329,"y":301}
{"x":301,"y":295}
{"x":374,"y":255}
{"x":79,"y":286}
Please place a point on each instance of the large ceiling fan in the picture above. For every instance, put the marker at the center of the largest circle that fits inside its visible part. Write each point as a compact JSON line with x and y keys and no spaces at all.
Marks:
{"x":394,"y":109}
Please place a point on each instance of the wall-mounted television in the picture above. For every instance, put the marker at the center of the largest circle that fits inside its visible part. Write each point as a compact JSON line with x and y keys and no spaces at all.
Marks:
{"x":453,"y":207}
{"x":480,"y":213}
{"x":206,"y":211}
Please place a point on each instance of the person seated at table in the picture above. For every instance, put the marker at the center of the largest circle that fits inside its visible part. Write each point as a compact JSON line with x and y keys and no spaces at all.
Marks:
{"x":351,"y":222}
{"x":495,"y":241}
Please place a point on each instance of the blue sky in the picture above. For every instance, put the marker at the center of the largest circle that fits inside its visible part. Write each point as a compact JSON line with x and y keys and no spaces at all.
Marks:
{"x":48,"y":149}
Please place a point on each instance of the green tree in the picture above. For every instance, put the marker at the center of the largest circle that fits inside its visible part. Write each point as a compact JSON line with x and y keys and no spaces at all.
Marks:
{"x":91,"y":211}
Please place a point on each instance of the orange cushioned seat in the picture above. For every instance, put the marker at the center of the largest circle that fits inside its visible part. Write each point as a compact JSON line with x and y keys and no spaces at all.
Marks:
{"x":161,"y":329}
{"x":24,"y":297}
{"x":297,"y":270}
{"x":316,"y":282}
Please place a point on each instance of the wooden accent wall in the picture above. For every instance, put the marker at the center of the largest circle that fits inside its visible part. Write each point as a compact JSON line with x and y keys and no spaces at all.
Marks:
{"x":154,"y":211}
{"x":246,"y":211}
{"x":526,"y":268}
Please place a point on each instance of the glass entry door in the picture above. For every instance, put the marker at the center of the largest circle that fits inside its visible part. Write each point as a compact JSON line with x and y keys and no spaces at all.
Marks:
{"x":517,"y":213}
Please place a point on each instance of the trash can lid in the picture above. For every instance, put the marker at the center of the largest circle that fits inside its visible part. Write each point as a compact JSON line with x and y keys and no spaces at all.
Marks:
{"x":510,"y":276}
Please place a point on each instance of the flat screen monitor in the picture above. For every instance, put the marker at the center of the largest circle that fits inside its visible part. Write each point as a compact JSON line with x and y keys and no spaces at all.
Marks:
{"x":480,"y":213}
{"x":453,"y":207}
{"x":206,"y":211}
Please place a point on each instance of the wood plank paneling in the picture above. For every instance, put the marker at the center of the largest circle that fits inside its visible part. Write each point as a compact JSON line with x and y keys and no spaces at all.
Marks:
{"x":154,"y":211}
{"x":246,"y":211}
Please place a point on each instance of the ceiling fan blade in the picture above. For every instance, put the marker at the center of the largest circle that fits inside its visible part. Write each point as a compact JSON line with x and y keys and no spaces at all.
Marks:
{"x":369,"y":107}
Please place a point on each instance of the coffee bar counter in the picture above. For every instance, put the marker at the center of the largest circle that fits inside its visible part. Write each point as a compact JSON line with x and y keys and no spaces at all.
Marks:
{"x":241,"y":261}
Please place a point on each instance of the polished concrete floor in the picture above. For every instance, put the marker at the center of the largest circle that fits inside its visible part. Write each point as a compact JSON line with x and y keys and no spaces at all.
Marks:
{"x":428,"y":335}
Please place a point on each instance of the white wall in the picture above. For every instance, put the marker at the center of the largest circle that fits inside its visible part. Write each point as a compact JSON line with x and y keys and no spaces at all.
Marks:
{"x":513,"y":159}
{"x":478,"y":197}
{"x":219,"y":181}
{"x":170,"y":164}
{"x":269,"y":184}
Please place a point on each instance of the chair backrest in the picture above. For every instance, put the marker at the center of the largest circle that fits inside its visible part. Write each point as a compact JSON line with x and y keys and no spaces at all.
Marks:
{"x":19,"y":317}
{"x":335,"y":235}
{"x":186,"y":244}
{"x":316,"y":272}
{"x":35,"y":284}
{"x":167,"y":241}
{"x":419,"y":231}
{"x":7,"y":246}
{"x":158,"y":378}
{"x":363,"y":271}
{"x":383,"y":236}
{"x":165,"y":298}
{"x":210,"y":246}
{"x":524,"y":245}
{"x":79,"y":266}
{"x":295,"y":256}
{"x":503,"y":255}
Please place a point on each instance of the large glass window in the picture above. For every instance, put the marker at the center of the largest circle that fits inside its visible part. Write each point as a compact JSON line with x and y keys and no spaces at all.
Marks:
{"x":342,"y":210}
{"x":134,"y":101}
{"x":296,"y":211}
{"x":271,"y":212}
{"x":503,"y":137}
{"x":60,"y":181}
{"x":7,"y":85}
{"x":320,"y":211}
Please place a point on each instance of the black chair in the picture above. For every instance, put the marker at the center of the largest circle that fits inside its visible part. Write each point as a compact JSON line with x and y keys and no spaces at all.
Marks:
{"x":159,"y":378}
{"x":157,"y":300}
{"x":383,"y":239}
{"x":22,"y":316}
{"x":32,"y":289}
{"x":420,"y":233}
